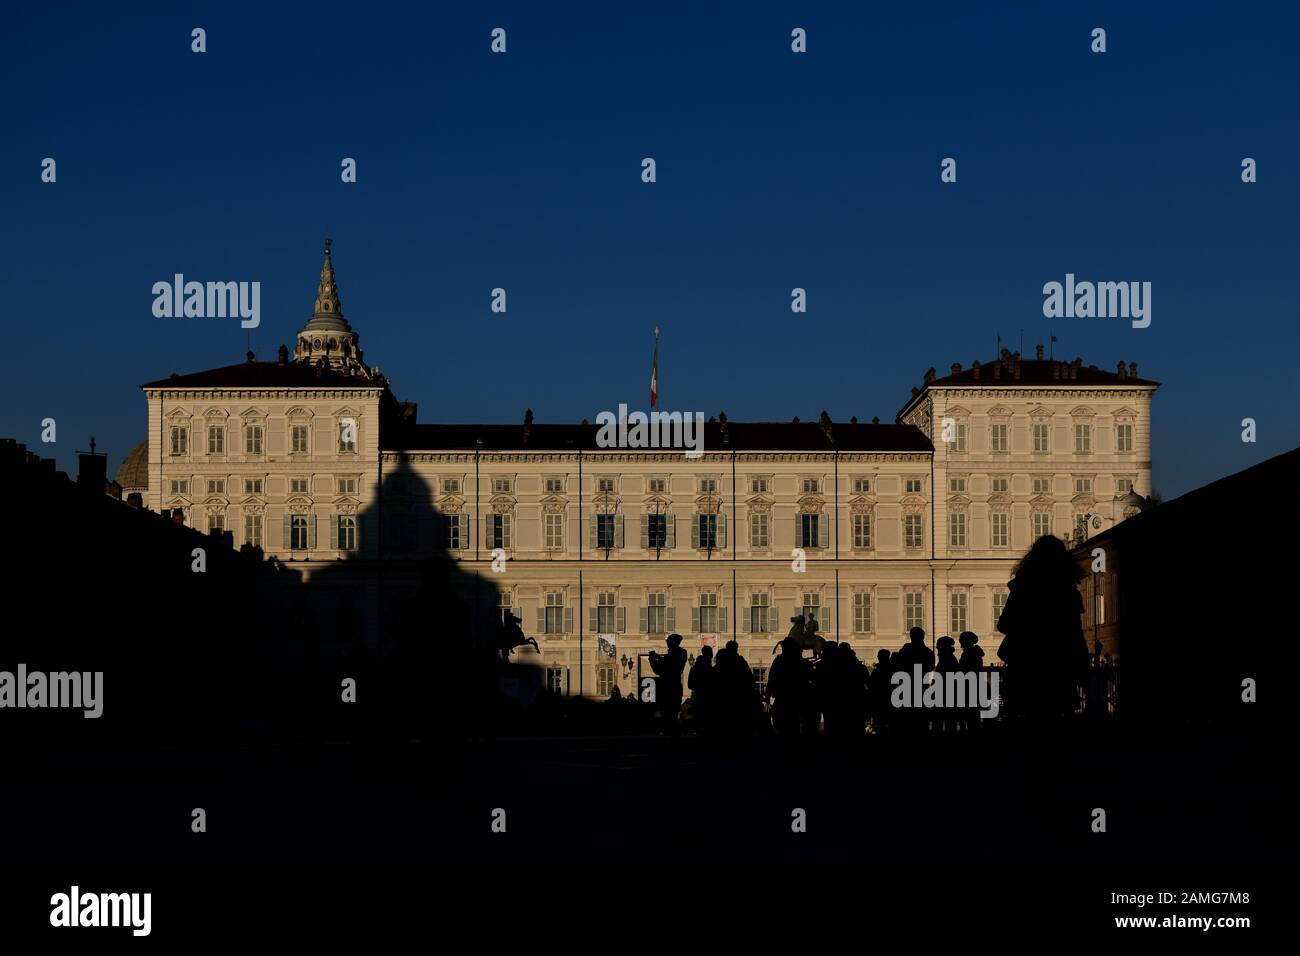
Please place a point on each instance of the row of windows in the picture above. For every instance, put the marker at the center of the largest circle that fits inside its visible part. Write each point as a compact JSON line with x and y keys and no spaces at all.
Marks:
{"x":955,"y":436}
{"x":760,"y":617}
{"x":1042,"y":485}
{"x":299,"y":531}
{"x":256,"y":486}
{"x":254,"y":436}
{"x":659,"y":485}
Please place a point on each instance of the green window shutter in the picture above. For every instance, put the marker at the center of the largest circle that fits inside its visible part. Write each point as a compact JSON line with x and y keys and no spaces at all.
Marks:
{"x":643,"y":620}
{"x":645,"y":531}
{"x":311,"y":532}
{"x":827,"y":626}
{"x":288,"y":532}
{"x":670,"y":538}
{"x":695,"y":531}
{"x":622,"y":619}
{"x":695,"y":620}
{"x":744,"y":620}
{"x":507,"y":531}
{"x":464,"y":530}
{"x":823,"y":531}
{"x":672,"y":619}
{"x":488,"y":540}
{"x":592,"y":620}
{"x":722,"y":531}
{"x":722,"y":620}
{"x":334,"y":532}
{"x":594,"y":523}
{"x":568,"y":620}
{"x":541,"y":617}
{"x":618,"y":531}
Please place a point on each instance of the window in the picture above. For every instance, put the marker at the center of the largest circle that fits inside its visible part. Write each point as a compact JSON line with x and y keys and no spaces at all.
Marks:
{"x":606,"y":619}
{"x":216,"y":440}
{"x":347,"y":436}
{"x":298,"y":532}
{"x":758,"y":530}
{"x":252,"y":486}
{"x":456,"y":528}
{"x":506,"y":605}
{"x":957,"y":611}
{"x":301,"y":442}
{"x":998,"y":437}
{"x":1042,"y":524}
{"x":347,"y":486}
{"x":1124,"y":438}
{"x":1041,"y":430}
{"x":252,"y":439}
{"x":347,"y":536}
{"x":451,"y":486}
{"x":656,"y":616}
{"x":253,"y":530}
{"x":604,"y":680}
{"x":216,"y":486}
{"x":605,"y":531}
{"x":606,"y":485}
{"x":657,"y":486}
{"x":708,"y":612}
{"x":180,"y":440}
{"x":708,"y":486}
{"x":499,"y":531}
{"x":862,"y":623}
{"x":707,"y":527}
{"x":912,"y":536}
{"x":812,"y":531}
{"x":656,"y":531}
{"x":862,"y":486}
{"x":1001,"y":484}
{"x":299,"y":486}
{"x":957,"y":442}
{"x":503,"y":486}
{"x":180,"y":486}
{"x":812,"y":606}
{"x":957,"y":486}
{"x":553,"y":527}
{"x":554,"y":620}
{"x":554,"y":486}
{"x":758,"y":613}
{"x":760,"y":681}
{"x":758,"y":486}
{"x":913,"y":486}
{"x":555,"y":680}
{"x":999,"y":605}
{"x":956,"y":529}
{"x":216,"y":523}
{"x":1001,"y":529}
{"x":811,"y":486}
{"x":1082,"y":438}
{"x":1042,"y":486}
{"x":1082,"y":486}
{"x":862,"y":531}
{"x":913,"y":610}
{"x":1123,"y":485}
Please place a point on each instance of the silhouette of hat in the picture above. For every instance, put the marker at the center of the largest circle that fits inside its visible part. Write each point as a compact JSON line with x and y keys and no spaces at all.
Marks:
{"x":674,"y":640}
{"x":967,"y":638}
{"x":945,"y":641}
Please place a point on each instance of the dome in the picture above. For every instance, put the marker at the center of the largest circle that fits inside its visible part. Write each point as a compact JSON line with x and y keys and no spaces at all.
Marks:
{"x":134,"y":470}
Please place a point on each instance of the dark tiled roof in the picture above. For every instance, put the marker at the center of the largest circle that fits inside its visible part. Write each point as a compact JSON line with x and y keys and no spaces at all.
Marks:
{"x":740,"y":436}
{"x":266,"y":375}
{"x":1033,"y":373}
{"x":134,"y":470}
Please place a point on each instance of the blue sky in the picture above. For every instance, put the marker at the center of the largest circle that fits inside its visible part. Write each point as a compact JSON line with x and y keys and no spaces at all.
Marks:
{"x":775,"y":170}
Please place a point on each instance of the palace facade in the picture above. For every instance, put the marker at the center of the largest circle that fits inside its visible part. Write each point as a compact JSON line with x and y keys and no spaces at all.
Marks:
{"x":871,"y":528}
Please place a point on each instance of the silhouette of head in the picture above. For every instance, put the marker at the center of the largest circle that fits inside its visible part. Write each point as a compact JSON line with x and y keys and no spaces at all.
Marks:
{"x":945,"y":643}
{"x":1048,"y":560}
{"x":706,"y":652}
{"x":882,"y":656}
{"x":917,"y":635}
{"x":968,"y":639}
{"x":733,"y":646}
{"x":674,"y":640}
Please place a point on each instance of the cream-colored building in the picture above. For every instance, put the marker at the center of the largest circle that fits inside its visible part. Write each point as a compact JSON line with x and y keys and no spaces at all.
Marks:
{"x":871,"y":528}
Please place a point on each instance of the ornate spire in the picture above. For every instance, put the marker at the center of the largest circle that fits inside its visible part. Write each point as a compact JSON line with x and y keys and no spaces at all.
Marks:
{"x":327,"y":336}
{"x":328,"y":316}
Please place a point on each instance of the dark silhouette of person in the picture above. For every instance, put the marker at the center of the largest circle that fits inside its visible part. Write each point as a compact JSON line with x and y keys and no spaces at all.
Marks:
{"x":668,"y":668}
{"x":947,"y":663}
{"x":1044,"y":650}
{"x":700,"y":683}
{"x":733,"y":700}
{"x":851,"y":692}
{"x":788,"y":688}
{"x":909,"y":657}
{"x":878,"y":691}
{"x":824,"y":698}
{"x":971,"y":662}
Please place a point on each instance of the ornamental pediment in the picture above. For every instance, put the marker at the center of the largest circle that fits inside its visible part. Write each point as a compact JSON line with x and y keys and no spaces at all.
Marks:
{"x":299,"y":411}
{"x":999,"y":411}
{"x":1000,"y":499}
{"x":1039,"y":413}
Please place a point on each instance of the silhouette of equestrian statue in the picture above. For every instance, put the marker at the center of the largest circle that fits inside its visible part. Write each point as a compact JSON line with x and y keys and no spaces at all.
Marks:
{"x":804,"y":631}
{"x":511,"y":635}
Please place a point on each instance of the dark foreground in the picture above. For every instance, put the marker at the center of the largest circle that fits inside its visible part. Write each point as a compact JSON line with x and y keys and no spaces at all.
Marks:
{"x":994,"y":826}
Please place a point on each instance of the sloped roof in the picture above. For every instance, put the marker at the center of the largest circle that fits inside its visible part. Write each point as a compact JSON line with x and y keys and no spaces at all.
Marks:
{"x":134,"y":470}
{"x":266,"y":375}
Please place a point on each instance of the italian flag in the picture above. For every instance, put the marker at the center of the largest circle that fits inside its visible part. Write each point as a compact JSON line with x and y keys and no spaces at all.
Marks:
{"x":654,"y":372}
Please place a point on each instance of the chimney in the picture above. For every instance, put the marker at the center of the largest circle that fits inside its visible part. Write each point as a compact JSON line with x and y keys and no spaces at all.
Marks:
{"x":825,"y":422}
{"x":249,"y":356}
{"x":929,"y":376}
{"x":975,"y":367}
{"x":997,"y":372}
{"x":955,"y":367}
{"x":528,"y":423}
{"x":875,"y":419}
{"x":1123,"y":372}
{"x":1132,"y":369}
{"x":1038,"y":351}
{"x":1056,"y":371}
{"x":282,"y":356}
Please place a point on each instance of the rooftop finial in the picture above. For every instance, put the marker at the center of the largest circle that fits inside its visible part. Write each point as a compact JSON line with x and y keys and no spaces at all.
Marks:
{"x":328,"y":240}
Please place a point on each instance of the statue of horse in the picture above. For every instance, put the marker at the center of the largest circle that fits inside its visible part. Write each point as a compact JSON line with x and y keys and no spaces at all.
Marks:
{"x":511,"y":636}
{"x":805,"y":632}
